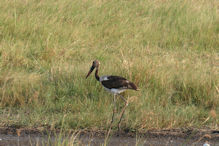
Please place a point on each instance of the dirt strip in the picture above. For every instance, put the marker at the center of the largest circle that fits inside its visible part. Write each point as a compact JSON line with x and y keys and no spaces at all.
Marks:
{"x":181,"y":133}
{"x":173,"y":137}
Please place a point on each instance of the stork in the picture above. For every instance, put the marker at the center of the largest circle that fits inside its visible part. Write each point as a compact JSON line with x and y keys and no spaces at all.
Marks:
{"x":113,"y":84}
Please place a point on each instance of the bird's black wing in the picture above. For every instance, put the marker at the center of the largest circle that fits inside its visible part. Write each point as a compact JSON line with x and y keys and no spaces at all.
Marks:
{"x":118,"y":83}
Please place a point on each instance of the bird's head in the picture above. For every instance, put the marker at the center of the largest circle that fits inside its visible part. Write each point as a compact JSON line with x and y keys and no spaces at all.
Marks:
{"x":95,"y":64}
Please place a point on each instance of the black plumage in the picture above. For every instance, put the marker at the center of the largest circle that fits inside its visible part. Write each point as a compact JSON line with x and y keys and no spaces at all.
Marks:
{"x":117,"y":82}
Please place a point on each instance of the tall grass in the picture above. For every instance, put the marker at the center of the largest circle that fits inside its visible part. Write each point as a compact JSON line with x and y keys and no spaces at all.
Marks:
{"x":168,"y":48}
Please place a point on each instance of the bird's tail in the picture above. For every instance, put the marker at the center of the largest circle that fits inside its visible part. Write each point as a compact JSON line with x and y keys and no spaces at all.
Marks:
{"x":133,"y":86}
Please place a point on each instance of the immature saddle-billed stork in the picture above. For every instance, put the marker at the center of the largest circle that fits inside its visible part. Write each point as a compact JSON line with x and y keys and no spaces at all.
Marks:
{"x":113,"y":84}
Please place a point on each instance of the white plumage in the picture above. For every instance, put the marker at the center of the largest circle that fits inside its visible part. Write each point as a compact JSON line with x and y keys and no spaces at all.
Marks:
{"x":103,"y":78}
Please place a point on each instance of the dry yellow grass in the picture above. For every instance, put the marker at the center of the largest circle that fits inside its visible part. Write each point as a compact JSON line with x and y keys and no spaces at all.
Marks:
{"x":170,"y":49}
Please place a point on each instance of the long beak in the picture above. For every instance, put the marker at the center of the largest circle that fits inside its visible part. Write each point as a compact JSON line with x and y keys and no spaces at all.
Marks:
{"x":91,"y":69}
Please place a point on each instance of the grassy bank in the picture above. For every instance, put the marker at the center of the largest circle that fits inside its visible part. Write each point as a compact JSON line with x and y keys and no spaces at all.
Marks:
{"x":170,"y":49}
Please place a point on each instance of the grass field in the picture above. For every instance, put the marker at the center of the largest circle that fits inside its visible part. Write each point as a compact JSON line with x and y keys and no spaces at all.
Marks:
{"x":170,"y":49}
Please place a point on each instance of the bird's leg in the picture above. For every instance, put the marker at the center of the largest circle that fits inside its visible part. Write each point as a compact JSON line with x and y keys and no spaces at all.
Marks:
{"x":114,"y":110}
{"x":123,"y":111}
{"x":123,"y":98}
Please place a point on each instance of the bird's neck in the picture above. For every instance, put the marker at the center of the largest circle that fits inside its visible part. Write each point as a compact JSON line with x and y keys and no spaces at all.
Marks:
{"x":96,"y":75}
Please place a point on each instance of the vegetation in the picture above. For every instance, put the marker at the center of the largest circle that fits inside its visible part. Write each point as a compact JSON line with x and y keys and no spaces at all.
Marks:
{"x":170,"y":49}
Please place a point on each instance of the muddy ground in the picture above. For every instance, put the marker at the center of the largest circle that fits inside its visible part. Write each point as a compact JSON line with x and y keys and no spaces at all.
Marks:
{"x":174,"y":137}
